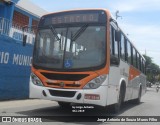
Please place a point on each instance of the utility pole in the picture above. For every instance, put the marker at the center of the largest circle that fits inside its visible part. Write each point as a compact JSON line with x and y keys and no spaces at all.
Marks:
{"x":145,"y":52}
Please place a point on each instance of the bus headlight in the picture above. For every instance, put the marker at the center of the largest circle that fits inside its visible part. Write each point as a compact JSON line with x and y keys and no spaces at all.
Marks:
{"x":36,"y":80}
{"x":95,"y":83}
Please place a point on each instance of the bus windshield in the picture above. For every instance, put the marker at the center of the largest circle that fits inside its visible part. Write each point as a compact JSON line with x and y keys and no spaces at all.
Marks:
{"x":78,"y":47}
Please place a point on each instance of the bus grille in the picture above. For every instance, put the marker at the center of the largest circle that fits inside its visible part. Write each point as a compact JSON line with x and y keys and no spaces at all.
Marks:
{"x":62,"y":93}
{"x":66,"y":85}
{"x":66,"y":77}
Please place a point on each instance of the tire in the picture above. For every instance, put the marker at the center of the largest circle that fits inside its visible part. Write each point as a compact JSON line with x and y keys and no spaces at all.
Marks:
{"x":117,"y":106}
{"x":64,"y":104}
{"x":157,"y":89}
{"x":138,"y":100}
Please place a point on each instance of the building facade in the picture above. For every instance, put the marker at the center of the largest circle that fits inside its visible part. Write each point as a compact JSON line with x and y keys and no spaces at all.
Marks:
{"x":16,"y":19}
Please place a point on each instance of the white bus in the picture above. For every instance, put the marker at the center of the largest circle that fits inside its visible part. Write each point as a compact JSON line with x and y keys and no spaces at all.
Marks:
{"x":82,"y":56}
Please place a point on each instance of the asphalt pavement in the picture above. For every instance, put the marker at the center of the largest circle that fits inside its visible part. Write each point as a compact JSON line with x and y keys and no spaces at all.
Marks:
{"x":51,"y":112}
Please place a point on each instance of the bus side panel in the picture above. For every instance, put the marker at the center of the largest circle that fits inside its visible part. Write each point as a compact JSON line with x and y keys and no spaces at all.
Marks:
{"x":116,"y":75}
{"x":143,"y":80}
{"x":136,"y":78}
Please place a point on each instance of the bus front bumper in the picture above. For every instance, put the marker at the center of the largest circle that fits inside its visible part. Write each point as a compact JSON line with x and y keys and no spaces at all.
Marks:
{"x":83,"y":96}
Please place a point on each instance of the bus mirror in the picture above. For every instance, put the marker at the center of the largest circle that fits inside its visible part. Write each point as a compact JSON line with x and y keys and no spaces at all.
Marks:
{"x":24,"y":40}
{"x":118,"y":35}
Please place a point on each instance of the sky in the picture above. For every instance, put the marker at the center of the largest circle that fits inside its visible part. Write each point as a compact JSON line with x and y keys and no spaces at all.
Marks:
{"x":140,"y":19}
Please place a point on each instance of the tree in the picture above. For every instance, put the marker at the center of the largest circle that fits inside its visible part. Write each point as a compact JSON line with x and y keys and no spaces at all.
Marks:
{"x":153,"y":70}
{"x":148,"y":60}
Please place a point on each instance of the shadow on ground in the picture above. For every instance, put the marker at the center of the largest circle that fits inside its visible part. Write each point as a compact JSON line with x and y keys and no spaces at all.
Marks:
{"x":58,"y":114}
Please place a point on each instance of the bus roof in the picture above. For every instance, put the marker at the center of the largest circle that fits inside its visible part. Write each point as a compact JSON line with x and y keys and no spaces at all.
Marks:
{"x":106,"y":10}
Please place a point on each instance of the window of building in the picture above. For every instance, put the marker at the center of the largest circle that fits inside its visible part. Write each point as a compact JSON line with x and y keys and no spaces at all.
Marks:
{"x":20,"y":19}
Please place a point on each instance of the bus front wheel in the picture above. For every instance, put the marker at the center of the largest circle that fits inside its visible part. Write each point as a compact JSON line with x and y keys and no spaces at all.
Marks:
{"x":117,"y":106}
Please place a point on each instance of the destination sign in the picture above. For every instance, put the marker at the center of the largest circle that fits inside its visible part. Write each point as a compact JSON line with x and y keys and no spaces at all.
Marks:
{"x":72,"y":18}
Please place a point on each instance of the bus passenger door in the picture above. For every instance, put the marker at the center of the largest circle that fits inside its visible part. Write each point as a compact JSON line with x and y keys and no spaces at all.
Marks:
{"x":114,"y":73}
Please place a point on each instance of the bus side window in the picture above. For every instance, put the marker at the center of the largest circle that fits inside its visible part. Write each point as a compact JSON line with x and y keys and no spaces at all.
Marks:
{"x":145,"y":67}
{"x":131,"y":55}
{"x":111,"y":42}
{"x":140,"y":65}
{"x":143,"y":63}
{"x":138,"y":56}
{"x":123,"y":48}
{"x":114,"y":48}
{"x":129,"y":52}
{"x":134,"y":58}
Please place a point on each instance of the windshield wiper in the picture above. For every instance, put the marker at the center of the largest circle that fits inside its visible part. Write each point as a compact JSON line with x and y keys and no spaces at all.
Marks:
{"x":54,"y":33}
{"x":79,"y":32}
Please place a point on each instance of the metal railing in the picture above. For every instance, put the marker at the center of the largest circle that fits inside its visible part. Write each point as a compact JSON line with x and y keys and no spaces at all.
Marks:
{"x":15,"y":31}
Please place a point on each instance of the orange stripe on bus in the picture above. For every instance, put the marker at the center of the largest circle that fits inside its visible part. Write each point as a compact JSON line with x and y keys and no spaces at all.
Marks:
{"x":55,"y":83}
{"x":133,"y":72}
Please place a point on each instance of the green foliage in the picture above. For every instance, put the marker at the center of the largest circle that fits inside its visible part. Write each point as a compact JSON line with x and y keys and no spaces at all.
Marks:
{"x":152,"y":70}
{"x":148,"y":60}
